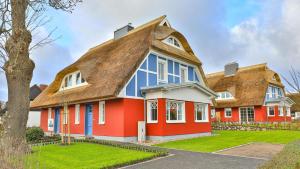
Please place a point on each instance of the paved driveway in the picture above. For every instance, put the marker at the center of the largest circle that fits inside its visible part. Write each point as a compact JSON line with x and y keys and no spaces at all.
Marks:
{"x":194,"y":160}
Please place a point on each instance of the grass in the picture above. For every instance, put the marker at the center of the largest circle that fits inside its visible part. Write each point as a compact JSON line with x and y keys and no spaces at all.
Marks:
{"x":227,"y":139}
{"x":83,"y":156}
{"x":288,"y":158}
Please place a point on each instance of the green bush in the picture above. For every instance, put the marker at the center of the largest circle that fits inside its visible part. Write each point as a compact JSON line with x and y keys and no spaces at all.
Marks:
{"x":34,"y":134}
{"x":288,"y":158}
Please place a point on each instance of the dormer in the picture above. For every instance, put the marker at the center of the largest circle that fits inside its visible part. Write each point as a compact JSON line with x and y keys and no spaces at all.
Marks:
{"x":72,"y":80}
{"x":173,"y":41}
{"x":224,"y":95}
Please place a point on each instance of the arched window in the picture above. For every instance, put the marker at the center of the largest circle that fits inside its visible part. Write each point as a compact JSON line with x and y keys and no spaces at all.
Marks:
{"x":72,"y":80}
{"x":171,"y":40}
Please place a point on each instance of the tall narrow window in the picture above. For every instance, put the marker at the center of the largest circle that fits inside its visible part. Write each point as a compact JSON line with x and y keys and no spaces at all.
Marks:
{"x":49,"y":113}
{"x":78,"y":78}
{"x":102,"y":112}
{"x":183,"y":74}
{"x":212,"y":113}
{"x":228,"y":112}
{"x":175,"y":111}
{"x":271,"y":111}
{"x":152,"y":111}
{"x":65,"y":115}
{"x":162,"y":70}
{"x":280,"y":111}
{"x":201,"y":112}
{"x":288,"y":111}
{"x":77,"y":113}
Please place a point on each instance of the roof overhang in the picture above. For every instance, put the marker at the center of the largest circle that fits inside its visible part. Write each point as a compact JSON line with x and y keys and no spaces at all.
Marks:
{"x":282,"y":101}
{"x":189,"y":91}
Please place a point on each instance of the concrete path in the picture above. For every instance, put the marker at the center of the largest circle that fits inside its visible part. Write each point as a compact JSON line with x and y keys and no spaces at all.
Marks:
{"x":193,"y":160}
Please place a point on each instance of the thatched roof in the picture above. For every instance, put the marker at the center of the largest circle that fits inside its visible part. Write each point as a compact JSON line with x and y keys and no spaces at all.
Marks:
{"x":248,"y":86}
{"x":108,"y":66}
{"x":296,"y":98}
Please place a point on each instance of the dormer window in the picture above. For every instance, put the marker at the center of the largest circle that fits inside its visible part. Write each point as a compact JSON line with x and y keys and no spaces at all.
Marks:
{"x":224,"y":95}
{"x":72,"y":80}
{"x":173,"y":42}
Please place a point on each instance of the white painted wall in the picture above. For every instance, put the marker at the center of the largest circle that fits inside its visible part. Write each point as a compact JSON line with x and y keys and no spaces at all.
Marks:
{"x":34,"y":119}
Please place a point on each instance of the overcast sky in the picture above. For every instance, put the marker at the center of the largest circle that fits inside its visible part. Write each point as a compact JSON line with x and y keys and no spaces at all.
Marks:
{"x":219,"y":31}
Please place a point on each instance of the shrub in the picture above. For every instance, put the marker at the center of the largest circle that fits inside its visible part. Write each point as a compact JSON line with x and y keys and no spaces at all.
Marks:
{"x":288,"y":158}
{"x":34,"y":134}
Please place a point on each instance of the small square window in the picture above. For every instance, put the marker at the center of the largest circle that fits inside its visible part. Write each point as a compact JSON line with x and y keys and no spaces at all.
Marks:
{"x":228,"y":112}
{"x":271,"y":111}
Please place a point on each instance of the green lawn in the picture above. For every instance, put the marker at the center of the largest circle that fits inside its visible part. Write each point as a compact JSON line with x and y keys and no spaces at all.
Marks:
{"x":226,"y":139}
{"x":83,"y":156}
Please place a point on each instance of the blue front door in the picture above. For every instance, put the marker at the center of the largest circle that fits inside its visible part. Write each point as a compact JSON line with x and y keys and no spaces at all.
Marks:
{"x":56,"y":121}
{"x":89,"y":120}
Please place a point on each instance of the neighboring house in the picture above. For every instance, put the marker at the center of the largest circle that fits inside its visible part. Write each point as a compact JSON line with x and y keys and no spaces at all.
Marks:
{"x":146,"y":82}
{"x":249,"y":94}
{"x":34,"y":115}
{"x":295,"y":110}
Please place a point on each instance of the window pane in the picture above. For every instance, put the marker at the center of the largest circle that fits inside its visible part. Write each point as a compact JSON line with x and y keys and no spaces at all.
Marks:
{"x":78,"y":80}
{"x":183,"y":75}
{"x":161,"y":71}
{"x":176,"y":43}
{"x":173,"y":111}
{"x":153,"y":110}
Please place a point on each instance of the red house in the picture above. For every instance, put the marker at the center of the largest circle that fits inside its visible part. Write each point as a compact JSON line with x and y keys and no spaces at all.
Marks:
{"x":145,"y":83}
{"x":249,"y":94}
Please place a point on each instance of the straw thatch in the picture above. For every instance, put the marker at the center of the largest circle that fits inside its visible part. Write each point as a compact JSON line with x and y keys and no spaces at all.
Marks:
{"x":296,"y":98}
{"x":107,"y":67}
{"x":248,"y":86}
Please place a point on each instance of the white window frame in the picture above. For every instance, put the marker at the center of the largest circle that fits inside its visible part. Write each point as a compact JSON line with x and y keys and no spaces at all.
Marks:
{"x":280,"y":111}
{"x":50,"y":113}
{"x":268,"y":111}
{"x":288,"y":111}
{"x":186,"y":73}
{"x":101,"y":113}
{"x":65,"y":115}
{"x":205,"y":111}
{"x":73,"y":81}
{"x":225,"y":110}
{"x":173,"y":43}
{"x":225,"y":98}
{"x":213,"y":113}
{"x":149,"y":113}
{"x":183,"y":112}
{"x":77,"y":113}
{"x":165,"y":64}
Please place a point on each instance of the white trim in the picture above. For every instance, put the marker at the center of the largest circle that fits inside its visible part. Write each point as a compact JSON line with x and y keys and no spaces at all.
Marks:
{"x":149,"y":120}
{"x":165,"y":65}
{"x":186,"y":73}
{"x":177,"y":137}
{"x":77,"y":113}
{"x":165,"y":21}
{"x":280,"y":111}
{"x":74,"y":85}
{"x":101,"y":112}
{"x":173,"y":42}
{"x":240,"y":120}
{"x":268,"y":111}
{"x":225,"y":115}
{"x":183,"y":111}
{"x":205,"y":111}
{"x":49,"y":113}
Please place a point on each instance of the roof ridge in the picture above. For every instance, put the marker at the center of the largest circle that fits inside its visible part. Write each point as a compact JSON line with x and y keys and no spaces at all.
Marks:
{"x":154,"y":21}
{"x":239,"y":70}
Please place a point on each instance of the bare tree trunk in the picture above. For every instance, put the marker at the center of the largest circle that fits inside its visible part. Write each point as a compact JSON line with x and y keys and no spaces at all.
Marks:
{"x":18,"y":70}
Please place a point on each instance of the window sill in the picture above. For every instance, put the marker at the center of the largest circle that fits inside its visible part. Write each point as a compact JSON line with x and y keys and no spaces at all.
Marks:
{"x":152,"y":122}
{"x":228,"y":116}
{"x":175,"y":122}
{"x":101,"y":123}
{"x":271,"y":115}
{"x":201,"y":121}
{"x":77,"y":123}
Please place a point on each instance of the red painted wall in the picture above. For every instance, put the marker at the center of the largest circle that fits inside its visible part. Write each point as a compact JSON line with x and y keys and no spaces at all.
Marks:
{"x":114,"y":118}
{"x":162,"y":128}
{"x":260,"y":115}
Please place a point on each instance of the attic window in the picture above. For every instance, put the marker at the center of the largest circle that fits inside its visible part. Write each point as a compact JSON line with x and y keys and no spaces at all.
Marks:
{"x":224,"y":95}
{"x":173,"y":42}
{"x":72,"y":80}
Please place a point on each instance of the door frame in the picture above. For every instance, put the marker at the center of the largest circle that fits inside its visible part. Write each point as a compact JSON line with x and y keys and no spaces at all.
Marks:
{"x":57,"y":120}
{"x":86,"y":119}
{"x":247,"y":113}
